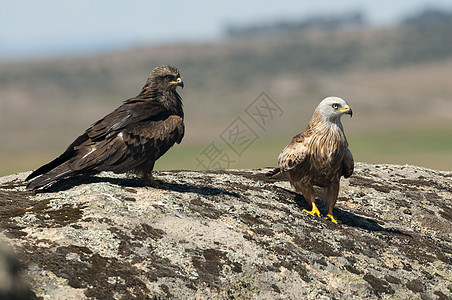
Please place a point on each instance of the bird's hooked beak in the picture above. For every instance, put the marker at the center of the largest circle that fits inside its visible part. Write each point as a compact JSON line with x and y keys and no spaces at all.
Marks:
{"x":179,"y":82}
{"x":346,"y":110}
{"x":349,"y":111}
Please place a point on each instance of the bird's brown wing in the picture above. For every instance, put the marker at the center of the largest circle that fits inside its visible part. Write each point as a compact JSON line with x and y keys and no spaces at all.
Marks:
{"x":294,"y":153}
{"x":132,"y":111}
{"x":348,"y":164}
{"x":136,"y":132}
{"x":101,"y":143}
{"x":134,"y":145}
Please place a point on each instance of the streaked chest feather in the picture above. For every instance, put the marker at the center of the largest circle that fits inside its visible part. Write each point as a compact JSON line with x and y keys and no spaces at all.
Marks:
{"x":326,"y":149}
{"x":325,"y":153}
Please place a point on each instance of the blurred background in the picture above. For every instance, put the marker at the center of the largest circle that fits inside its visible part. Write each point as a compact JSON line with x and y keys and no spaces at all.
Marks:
{"x":256,"y":68}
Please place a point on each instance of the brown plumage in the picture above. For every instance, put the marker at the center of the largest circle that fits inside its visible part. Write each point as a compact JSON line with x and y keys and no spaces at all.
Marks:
{"x":131,"y":138}
{"x":320,"y":155}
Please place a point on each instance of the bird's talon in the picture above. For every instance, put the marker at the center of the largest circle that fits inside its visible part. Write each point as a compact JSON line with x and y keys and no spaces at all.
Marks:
{"x":153,"y":183}
{"x":314,"y":211}
{"x":332,"y":219}
{"x":156,"y":185}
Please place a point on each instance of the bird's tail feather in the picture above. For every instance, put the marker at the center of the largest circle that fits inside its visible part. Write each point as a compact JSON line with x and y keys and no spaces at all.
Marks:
{"x":60,"y":160}
{"x":55,"y":174}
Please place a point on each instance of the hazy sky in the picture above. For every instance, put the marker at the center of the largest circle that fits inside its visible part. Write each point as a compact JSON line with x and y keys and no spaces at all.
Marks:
{"x":55,"y":27}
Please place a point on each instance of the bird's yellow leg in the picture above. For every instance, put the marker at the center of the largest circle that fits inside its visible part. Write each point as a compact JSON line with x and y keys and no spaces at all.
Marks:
{"x":330,"y":216}
{"x":314,"y":211}
{"x":331,"y":197}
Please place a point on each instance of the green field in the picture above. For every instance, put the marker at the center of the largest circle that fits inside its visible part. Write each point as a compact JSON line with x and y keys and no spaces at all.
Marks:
{"x":427,"y":147}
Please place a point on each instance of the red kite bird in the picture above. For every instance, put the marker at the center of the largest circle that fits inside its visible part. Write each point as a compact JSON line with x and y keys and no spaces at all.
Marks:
{"x":320,"y":155}
{"x":131,"y":138}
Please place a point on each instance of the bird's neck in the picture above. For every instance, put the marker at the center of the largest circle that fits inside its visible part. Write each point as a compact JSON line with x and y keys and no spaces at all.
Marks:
{"x":177,"y":104}
{"x":321,"y":124}
{"x":327,"y":132}
{"x":170,"y":99}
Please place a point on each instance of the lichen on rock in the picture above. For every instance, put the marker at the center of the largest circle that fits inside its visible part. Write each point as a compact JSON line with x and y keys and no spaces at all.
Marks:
{"x":232,"y":234}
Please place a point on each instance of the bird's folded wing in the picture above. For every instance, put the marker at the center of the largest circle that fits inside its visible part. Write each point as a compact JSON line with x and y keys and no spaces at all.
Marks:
{"x":170,"y":130}
{"x":293,"y":154}
{"x":130,"y":147}
{"x":348,"y":164}
{"x":131,"y":112}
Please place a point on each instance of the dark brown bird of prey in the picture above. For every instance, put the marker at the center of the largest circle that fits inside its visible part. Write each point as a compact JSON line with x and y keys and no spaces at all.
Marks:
{"x":320,"y":155}
{"x":129,"y":139}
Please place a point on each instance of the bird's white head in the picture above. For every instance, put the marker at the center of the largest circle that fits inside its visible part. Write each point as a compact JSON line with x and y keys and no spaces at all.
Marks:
{"x":332,"y":108}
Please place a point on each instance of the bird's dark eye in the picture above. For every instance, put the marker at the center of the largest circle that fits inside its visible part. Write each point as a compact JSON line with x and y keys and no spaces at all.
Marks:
{"x":335,"y":105}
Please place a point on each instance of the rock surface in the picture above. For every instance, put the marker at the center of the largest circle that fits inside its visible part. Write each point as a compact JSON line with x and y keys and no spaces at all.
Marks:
{"x":232,"y":234}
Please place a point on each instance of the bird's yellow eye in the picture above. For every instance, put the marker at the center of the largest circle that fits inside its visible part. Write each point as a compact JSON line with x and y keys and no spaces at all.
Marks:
{"x":335,"y":105}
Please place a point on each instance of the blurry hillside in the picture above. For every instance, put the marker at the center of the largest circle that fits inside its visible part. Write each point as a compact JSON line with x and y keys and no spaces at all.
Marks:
{"x":396,"y":79}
